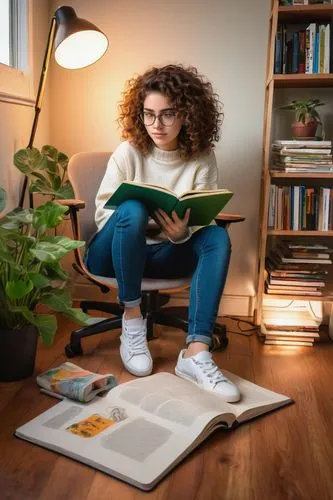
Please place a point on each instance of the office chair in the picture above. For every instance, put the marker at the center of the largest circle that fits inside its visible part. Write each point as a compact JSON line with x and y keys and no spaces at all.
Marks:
{"x":85,"y":172}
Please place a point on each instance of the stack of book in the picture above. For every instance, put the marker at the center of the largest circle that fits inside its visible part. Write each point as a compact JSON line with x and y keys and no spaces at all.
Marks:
{"x":302,"y":156}
{"x":297,"y":269}
{"x":289,"y":328}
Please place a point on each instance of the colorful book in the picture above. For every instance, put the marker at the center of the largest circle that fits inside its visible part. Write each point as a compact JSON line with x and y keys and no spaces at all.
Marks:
{"x":204,"y":205}
{"x":71,"y":381}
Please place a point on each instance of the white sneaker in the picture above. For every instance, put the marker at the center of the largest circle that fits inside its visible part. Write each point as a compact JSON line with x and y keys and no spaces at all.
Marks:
{"x":202,"y":370}
{"x":134,"y":350}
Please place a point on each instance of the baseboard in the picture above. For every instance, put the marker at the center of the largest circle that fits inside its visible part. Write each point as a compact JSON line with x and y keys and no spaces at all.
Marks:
{"x":236,"y":305}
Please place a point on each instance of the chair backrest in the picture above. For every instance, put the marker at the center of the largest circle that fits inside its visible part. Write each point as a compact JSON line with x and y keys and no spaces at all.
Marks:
{"x":85,"y":172}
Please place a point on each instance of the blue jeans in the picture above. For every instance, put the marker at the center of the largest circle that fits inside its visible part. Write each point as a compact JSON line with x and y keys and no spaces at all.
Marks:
{"x":119,"y":250}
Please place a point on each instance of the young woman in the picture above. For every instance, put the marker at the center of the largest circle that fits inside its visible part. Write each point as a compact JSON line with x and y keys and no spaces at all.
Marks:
{"x":170,"y":118}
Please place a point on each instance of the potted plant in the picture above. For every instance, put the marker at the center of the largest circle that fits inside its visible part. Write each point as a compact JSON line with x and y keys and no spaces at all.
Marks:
{"x":31,"y":279}
{"x":307,"y":118}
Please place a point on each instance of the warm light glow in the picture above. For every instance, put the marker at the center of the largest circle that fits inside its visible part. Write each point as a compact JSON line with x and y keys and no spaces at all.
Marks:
{"x":81,"y":49}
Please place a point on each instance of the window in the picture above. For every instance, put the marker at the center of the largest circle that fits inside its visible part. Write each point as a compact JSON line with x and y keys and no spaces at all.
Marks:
{"x":4,"y":33}
{"x":15,"y":51}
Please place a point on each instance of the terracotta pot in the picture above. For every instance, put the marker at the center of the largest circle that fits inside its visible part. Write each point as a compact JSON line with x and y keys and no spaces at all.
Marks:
{"x":300,"y":129}
{"x":17,"y":353}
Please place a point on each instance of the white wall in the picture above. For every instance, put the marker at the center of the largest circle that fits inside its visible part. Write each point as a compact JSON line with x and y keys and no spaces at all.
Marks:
{"x":226,"y":41}
{"x":16,"y":119}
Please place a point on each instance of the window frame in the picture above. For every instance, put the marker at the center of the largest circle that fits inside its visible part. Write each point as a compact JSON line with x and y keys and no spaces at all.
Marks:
{"x":16,"y":81}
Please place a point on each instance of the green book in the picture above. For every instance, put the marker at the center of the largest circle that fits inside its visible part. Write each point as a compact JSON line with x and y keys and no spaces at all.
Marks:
{"x":204,"y":205}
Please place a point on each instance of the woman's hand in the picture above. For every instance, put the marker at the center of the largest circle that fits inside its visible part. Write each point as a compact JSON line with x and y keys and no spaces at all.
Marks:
{"x":174,"y":228}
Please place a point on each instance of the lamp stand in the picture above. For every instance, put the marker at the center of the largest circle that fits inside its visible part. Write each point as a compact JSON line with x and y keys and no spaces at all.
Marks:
{"x":38,"y":104}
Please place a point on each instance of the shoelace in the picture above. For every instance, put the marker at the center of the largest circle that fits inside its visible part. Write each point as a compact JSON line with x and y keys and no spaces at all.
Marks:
{"x":212,"y":372}
{"x":136,"y":343}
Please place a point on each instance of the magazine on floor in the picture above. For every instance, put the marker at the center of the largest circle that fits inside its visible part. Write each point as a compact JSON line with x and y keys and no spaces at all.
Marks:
{"x":73,"y":382}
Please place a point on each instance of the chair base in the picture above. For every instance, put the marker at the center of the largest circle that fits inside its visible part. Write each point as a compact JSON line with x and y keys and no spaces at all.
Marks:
{"x":151,"y":309}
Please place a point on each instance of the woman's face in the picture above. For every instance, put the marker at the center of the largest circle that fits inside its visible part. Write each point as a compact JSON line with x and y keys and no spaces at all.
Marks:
{"x":161,"y":121}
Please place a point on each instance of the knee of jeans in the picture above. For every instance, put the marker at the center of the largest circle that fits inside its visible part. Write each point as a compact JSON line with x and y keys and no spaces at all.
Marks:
{"x":219,"y":238}
{"x":133,"y":211}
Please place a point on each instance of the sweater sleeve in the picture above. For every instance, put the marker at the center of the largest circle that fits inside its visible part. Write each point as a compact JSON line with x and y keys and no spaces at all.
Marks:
{"x":206,"y":178}
{"x":115,"y":174}
{"x":206,"y":175}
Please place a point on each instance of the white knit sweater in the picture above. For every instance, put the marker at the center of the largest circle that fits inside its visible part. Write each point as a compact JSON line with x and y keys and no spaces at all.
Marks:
{"x":164,"y":168}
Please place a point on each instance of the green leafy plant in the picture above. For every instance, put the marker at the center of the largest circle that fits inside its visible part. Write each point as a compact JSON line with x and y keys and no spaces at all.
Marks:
{"x":46,"y":171}
{"x":305,"y":111}
{"x":31,"y":274}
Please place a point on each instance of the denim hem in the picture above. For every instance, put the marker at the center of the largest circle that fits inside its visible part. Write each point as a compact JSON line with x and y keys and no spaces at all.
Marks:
{"x":199,"y":338}
{"x":132,"y":303}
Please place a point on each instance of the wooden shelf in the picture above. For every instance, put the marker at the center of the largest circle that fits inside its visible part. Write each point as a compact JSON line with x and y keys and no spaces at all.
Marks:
{"x":289,"y":232}
{"x":302,"y":80}
{"x":304,"y":175}
{"x":298,"y":17}
{"x":323,"y":298}
{"x":305,"y":13}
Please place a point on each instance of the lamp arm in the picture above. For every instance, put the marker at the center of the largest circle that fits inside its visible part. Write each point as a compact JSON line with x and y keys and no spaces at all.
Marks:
{"x":39,"y":100}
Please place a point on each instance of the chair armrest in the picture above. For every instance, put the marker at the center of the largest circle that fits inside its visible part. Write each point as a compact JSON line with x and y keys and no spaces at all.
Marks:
{"x":223,"y":219}
{"x":72,"y":203}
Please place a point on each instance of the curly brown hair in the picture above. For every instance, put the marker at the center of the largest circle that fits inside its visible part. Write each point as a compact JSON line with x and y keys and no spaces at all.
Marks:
{"x":189,"y":92}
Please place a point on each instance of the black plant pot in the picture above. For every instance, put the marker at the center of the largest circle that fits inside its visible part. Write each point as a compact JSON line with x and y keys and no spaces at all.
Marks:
{"x":17,"y":353}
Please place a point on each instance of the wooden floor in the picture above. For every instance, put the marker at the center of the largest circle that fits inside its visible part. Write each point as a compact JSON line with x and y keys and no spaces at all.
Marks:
{"x":285,"y":455}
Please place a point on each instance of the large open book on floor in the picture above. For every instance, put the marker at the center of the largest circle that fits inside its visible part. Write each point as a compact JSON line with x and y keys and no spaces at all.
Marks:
{"x":144,"y":428}
{"x":204,"y":205}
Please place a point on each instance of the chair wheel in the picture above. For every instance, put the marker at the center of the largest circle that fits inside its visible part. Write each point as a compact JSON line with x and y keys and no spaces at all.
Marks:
{"x":71,"y":351}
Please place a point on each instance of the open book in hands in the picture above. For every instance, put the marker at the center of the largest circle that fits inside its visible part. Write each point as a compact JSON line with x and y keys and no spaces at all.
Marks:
{"x":71,"y":381}
{"x":144,"y":428}
{"x":204,"y":205}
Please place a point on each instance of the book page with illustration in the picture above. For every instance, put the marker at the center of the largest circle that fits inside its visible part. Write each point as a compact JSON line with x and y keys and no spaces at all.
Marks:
{"x":142,"y":428}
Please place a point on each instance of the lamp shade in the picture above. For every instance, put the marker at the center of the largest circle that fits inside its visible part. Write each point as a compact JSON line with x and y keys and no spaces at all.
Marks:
{"x":78,"y":43}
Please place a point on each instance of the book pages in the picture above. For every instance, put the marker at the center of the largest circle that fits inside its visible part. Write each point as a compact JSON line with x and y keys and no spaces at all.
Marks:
{"x":142,"y":428}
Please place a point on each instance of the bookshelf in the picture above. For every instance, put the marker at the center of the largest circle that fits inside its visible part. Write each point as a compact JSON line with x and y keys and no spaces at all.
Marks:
{"x":288,"y":83}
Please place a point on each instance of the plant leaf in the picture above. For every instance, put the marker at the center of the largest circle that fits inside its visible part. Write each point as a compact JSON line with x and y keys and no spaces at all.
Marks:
{"x":48,"y":216}
{"x":65,"y":192}
{"x":44,"y":188}
{"x":50,"y":152}
{"x":45,"y":323}
{"x":27,"y":160}
{"x":3,"y":199}
{"x":60,"y":301}
{"x":18,"y":217}
{"x":57,"y":156}
{"x":39,"y":280}
{"x":54,"y":271}
{"x":49,"y":164}
{"x":18,"y":289}
{"x":63,"y":160}
{"x":53,"y":251}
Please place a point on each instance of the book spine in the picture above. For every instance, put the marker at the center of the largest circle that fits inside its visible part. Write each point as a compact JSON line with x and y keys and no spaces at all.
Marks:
{"x":295,"y":52}
{"x":284,"y":49}
{"x":327,"y":48}
{"x":330,"y":56}
{"x":278,"y":52}
{"x":296,"y":208}
{"x":322,"y":30}
{"x":316,"y":53}
{"x":301,"y":63}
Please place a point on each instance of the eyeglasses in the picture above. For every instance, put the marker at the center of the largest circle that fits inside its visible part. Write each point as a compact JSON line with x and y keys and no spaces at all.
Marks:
{"x":166,"y":118}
